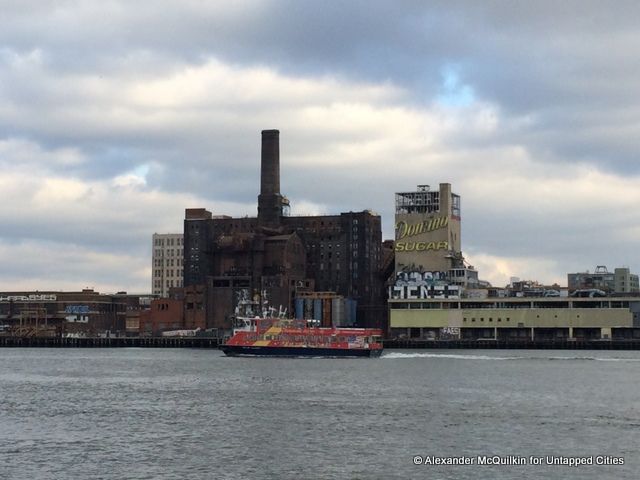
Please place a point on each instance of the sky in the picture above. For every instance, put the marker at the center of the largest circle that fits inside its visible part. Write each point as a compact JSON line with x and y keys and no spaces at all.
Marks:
{"x":115,"y":116}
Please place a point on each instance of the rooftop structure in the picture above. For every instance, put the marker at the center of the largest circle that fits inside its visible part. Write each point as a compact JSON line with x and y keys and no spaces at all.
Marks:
{"x":424,"y":201}
{"x":621,"y":280}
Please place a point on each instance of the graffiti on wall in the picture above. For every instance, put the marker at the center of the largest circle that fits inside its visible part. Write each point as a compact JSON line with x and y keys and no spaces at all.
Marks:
{"x":415,"y":284}
{"x":77,"y":309}
{"x":421,"y":292}
{"x":28,"y":298}
{"x":449,"y":333}
{"x":417,"y":277}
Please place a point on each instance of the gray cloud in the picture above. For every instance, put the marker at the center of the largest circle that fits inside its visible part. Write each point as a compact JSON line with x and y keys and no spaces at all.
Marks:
{"x":502,"y":99}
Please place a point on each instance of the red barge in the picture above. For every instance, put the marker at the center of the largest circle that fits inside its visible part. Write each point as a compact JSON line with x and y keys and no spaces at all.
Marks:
{"x":300,"y":338}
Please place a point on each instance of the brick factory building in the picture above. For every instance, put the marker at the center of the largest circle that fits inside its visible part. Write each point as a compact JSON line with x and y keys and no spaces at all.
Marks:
{"x":275,"y":257}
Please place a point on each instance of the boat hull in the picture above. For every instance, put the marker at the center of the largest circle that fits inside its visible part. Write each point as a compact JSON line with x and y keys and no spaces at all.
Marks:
{"x":266,"y":351}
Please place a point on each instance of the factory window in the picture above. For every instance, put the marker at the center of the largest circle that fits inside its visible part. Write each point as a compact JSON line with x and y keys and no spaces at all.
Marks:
{"x":473,"y":319}
{"x":464,"y":319}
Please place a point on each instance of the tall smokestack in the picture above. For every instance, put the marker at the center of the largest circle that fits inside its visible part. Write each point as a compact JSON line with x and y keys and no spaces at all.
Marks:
{"x":270,"y":164}
{"x":270,"y":200}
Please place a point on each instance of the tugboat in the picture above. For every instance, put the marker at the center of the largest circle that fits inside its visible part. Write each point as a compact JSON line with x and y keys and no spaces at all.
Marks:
{"x":279,"y":337}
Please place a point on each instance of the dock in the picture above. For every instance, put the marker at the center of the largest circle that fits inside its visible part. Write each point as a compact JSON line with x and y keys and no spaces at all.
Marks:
{"x":110,"y":342}
{"x":538,"y":344}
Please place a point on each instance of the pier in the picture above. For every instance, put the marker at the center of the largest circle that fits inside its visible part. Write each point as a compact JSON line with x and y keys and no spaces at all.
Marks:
{"x":110,"y":342}
{"x":538,"y":344}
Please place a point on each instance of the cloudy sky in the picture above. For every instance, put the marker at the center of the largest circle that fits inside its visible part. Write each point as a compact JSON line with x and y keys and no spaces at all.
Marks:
{"x":115,"y":116}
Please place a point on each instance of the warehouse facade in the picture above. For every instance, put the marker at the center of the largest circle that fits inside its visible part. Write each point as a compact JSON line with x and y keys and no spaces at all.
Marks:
{"x":274,"y":257}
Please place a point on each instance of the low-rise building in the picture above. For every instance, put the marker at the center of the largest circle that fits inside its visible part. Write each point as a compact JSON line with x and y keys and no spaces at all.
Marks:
{"x":56,"y":313}
{"x":509,"y":318}
{"x":621,"y":280}
{"x":165,"y":314}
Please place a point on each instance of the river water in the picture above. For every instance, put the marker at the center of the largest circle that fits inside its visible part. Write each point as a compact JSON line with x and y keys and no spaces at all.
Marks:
{"x":178,"y":414}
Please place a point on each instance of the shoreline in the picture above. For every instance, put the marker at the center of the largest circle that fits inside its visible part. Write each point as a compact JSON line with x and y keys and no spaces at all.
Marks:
{"x":399,"y":344}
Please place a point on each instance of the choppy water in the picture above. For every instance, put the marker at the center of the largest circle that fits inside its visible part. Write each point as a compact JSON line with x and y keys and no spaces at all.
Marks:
{"x":174,"y":414}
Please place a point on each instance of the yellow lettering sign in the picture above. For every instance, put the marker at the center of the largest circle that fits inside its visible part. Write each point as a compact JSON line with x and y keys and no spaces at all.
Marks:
{"x":420,"y":246}
{"x":404,"y":229}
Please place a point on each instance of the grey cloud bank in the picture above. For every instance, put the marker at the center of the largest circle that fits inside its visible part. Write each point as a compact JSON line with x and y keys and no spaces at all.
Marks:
{"x":115,"y":116}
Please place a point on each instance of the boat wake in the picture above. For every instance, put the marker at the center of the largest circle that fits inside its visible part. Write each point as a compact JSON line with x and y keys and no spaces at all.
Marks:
{"x":400,"y":355}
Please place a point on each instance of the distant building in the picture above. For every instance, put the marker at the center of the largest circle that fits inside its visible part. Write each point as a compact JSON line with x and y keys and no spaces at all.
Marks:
{"x":428,"y":256}
{"x":55,"y":313}
{"x":621,"y":280}
{"x":427,"y":228}
{"x":274,"y":257}
{"x":625,"y":281}
{"x":167,"y":262}
{"x":164,"y":314}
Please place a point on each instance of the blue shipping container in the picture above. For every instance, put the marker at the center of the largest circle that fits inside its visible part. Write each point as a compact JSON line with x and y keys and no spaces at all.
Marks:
{"x":354,"y":308}
{"x":300,"y":308}
{"x":317,"y":309}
